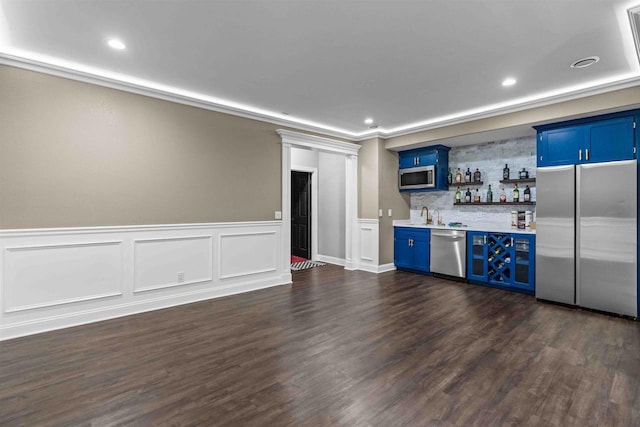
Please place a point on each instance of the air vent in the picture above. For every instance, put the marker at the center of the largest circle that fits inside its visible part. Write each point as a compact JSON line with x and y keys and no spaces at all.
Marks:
{"x":585,"y":62}
{"x":634,"y":19}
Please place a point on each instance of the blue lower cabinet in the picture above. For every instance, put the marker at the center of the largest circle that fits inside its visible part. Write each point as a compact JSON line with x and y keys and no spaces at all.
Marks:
{"x":411,"y":249}
{"x":477,"y":256}
{"x":525,"y":259}
{"x":505,"y":260}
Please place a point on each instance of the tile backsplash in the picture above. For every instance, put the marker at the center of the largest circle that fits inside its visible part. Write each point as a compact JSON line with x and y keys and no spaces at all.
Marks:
{"x":490,"y":159}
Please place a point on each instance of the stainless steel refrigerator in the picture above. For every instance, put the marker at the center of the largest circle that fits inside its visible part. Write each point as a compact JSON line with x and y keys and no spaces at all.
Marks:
{"x":586,"y":238}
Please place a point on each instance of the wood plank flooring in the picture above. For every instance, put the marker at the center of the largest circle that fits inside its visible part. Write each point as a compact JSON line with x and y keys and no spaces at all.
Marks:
{"x":336,"y":348}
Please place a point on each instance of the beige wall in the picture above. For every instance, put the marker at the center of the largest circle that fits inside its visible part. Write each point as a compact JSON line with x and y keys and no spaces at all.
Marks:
{"x":378,"y":181}
{"x":390,"y":198}
{"x":591,"y":105}
{"x":76,"y":154}
{"x":368,"y":179}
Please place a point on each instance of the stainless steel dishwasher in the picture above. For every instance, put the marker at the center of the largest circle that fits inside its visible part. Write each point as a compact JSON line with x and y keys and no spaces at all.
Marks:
{"x":449,"y":252}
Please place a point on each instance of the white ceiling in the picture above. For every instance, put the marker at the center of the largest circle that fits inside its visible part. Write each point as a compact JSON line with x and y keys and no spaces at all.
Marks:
{"x":330,"y":64}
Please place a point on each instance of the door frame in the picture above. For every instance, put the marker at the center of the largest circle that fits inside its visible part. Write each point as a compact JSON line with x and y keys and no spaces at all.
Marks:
{"x":350,"y":151}
{"x":314,"y":205}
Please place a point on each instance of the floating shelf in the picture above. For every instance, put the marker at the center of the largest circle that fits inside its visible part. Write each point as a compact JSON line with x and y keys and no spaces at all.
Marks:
{"x":465,"y":184}
{"x":517,"y":181}
{"x":495,"y":203}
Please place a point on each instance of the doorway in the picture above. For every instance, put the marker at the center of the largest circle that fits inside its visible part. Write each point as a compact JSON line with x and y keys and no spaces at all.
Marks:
{"x":301,"y":214}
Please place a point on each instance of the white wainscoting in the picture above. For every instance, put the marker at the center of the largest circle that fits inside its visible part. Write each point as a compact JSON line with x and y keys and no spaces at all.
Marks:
{"x":366,"y":249}
{"x":367,"y":253}
{"x":56,"y":278}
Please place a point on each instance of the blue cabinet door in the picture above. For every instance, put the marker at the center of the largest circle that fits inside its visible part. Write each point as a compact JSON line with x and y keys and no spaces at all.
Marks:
{"x":407,"y":161}
{"x":411,"y":248}
{"x":524,"y":257}
{"x":477,"y":256}
{"x":610,"y":140}
{"x":402,"y":252}
{"x":561,"y":146}
{"x":421,"y":254}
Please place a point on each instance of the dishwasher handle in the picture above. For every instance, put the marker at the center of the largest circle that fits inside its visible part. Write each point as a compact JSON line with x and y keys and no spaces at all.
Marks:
{"x":455,"y":235}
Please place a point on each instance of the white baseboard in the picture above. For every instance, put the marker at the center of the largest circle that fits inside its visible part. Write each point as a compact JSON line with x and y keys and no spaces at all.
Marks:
{"x":332,"y":260}
{"x":357,"y":266}
{"x":57,"y":278}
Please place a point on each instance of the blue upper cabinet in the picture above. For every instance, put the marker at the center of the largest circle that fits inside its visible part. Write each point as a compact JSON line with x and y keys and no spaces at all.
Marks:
{"x":599,"y":139}
{"x":610,"y":140}
{"x":560,"y":146}
{"x":424,"y":169}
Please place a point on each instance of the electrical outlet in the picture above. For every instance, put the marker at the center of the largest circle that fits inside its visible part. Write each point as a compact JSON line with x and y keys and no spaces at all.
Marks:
{"x":390,"y":212}
{"x":278,"y":215}
{"x":380,"y":213}
{"x":180,"y":276}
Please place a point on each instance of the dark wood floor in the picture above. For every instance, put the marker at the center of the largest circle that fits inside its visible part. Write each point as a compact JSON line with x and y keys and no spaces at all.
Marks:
{"x":336,"y":348}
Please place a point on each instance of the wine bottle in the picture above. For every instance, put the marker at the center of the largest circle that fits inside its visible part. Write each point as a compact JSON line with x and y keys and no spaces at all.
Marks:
{"x":476,"y":197}
{"x":467,"y":196}
{"x":458,"y":175}
{"x":450,"y":177}
{"x":527,"y":194}
{"x":489,"y":195}
{"x":505,"y":172}
{"x":477,"y":176}
{"x":516,"y":193}
{"x":458,"y":195}
{"x":467,"y":175}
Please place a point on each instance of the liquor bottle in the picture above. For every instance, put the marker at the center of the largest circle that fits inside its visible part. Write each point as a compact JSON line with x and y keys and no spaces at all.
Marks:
{"x":476,"y":197}
{"x":467,"y":175}
{"x":524,"y":174}
{"x":450,"y":177}
{"x":477,"y":176}
{"x":458,"y":175}
{"x":467,"y":196}
{"x":458,"y":196}
{"x":489,"y":195}
{"x":503,"y":195}
{"x":505,"y":172}
{"x":527,"y":194}
{"x":516,"y":193}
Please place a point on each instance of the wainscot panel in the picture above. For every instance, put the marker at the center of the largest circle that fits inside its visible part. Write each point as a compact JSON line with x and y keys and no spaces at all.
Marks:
{"x":57,"y":278}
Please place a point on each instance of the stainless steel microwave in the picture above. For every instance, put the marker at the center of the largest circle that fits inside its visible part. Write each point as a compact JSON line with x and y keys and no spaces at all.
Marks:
{"x":417,"y":178}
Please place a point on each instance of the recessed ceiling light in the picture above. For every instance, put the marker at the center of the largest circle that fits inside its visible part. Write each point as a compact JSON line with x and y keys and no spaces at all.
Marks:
{"x":116,"y":44}
{"x":509,"y":81}
{"x":585,"y":62}
{"x":368,"y":121}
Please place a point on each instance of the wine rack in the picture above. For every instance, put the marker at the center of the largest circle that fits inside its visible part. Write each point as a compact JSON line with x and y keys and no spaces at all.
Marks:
{"x":505,"y":260}
{"x":499,"y":258}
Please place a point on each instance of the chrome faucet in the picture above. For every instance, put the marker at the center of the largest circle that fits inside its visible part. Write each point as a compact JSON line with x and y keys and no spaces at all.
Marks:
{"x":427,"y":220}
{"x":439,"y":219}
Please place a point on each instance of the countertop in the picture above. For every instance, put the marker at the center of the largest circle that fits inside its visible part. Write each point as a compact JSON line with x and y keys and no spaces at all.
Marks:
{"x":493,"y":227}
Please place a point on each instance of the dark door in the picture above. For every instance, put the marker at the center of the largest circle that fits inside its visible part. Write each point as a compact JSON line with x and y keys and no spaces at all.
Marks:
{"x":301,"y":214}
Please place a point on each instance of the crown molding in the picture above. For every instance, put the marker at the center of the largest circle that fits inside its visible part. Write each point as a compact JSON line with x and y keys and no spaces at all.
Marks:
{"x":318,"y":142}
{"x":112,"y":83}
{"x":86,"y":77}
{"x":522,"y":106}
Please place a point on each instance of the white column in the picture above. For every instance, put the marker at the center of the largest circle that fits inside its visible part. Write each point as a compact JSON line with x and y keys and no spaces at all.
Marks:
{"x":286,"y":211}
{"x":351,"y":212}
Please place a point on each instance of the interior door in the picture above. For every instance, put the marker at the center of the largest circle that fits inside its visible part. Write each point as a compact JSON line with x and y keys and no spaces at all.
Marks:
{"x":301,"y":214}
